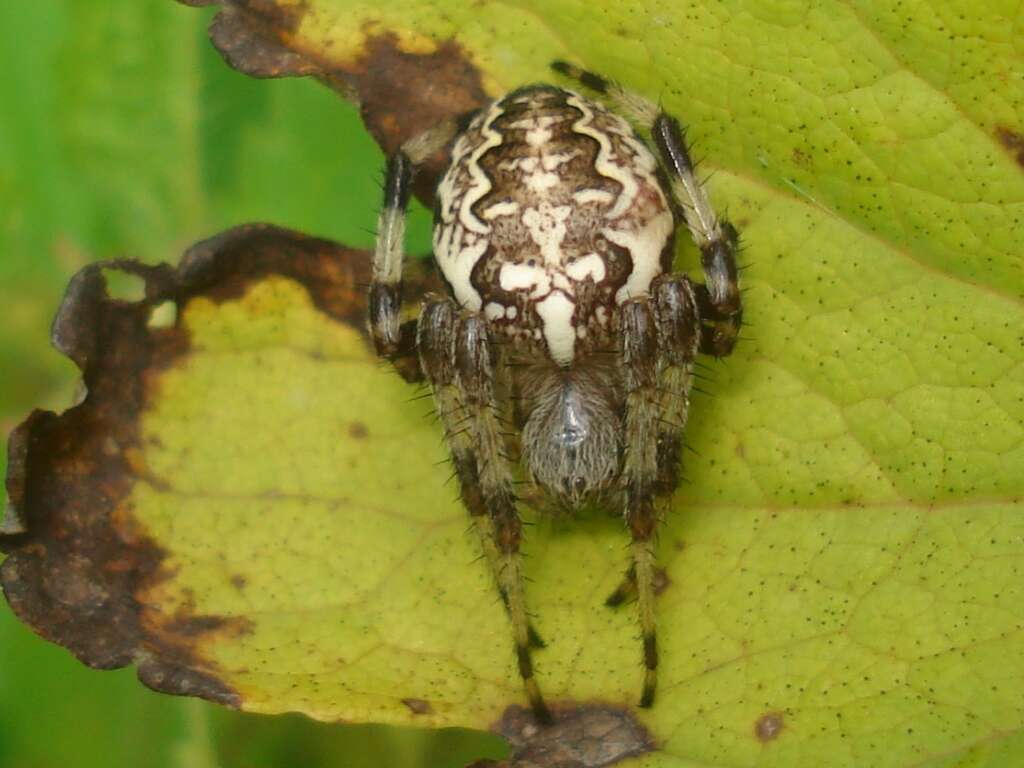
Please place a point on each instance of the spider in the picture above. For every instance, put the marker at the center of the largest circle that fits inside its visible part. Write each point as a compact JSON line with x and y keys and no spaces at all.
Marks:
{"x":554,"y":226}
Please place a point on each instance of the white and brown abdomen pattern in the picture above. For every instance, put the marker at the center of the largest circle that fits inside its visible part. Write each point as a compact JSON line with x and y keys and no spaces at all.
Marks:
{"x":549,"y":216}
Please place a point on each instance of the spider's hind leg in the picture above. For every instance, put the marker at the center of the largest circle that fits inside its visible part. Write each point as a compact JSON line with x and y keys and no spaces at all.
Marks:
{"x":455,"y":355}
{"x":660,"y":335}
{"x":639,"y":368}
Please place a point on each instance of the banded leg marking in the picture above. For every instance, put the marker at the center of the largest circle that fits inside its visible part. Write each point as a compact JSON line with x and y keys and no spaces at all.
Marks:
{"x":456,"y":358}
{"x":678,"y":321}
{"x":386,"y":289}
{"x":390,"y":338}
{"x":717,"y":240}
{"x":640,"y":471}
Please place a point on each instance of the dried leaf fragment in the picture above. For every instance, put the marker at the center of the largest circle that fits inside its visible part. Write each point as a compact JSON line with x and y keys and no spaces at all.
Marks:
{"x":583,"y":736}
{"x":79,"y":564}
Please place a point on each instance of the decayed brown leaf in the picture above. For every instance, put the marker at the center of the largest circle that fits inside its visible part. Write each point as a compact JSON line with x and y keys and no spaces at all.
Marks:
{"x":77,"y":562}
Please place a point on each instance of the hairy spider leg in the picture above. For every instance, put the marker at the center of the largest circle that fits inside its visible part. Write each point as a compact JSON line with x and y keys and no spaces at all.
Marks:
{"x":716,"y":238}
{"x":660,"y":338}
{"x":455,"y":354}
{"x":639,"y":351}
{"x":391,"y":338}
{"x":687,"y":318}
{"x":398,"y":341}
{"x":385,"y":302}
{"x":677,"y":316}
{"x":437,"y":326}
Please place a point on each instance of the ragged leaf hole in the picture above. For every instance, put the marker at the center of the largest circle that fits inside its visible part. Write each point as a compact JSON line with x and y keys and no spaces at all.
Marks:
{"x":163,"y":315}
{"x":124,"y":286}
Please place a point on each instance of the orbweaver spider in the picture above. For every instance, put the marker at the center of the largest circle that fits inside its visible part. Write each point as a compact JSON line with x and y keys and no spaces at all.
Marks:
{"x":554,"y":228}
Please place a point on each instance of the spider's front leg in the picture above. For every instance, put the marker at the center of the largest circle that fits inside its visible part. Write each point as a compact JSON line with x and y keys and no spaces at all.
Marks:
{"x":393,"y":340}
{"x":717,"y":239}
{"x":456,"y":358}
{"x":385,"y":300}
{"x":659,"y":336}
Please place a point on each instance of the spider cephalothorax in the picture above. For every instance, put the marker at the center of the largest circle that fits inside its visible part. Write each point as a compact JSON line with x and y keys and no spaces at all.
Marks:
{"x":553,"y":231}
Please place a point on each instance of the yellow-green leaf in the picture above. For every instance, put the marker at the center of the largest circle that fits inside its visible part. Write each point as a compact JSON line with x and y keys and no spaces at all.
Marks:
{"x":845,"y":565}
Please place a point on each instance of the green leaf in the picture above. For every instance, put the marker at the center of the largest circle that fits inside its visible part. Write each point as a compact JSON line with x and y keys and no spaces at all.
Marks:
{"x":844,"y":566}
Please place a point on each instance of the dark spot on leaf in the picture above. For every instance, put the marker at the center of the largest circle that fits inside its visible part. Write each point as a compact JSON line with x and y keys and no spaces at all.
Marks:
{"x":186,"y":625}
{"x":238,"y":581}
{"x":81,"y":571}
{"x":801,"y":158}
{"x":358,"y":430}
{"x":1013,"y":141}
{"x":768,"y":726}
{"x":582,"y":736}
{"x":418,"y":706}
{"x":661,"y":580}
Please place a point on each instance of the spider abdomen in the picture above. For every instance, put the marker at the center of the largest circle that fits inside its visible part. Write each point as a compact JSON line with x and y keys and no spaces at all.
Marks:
{"x":551,"y":214}
{"x":571,"y":442}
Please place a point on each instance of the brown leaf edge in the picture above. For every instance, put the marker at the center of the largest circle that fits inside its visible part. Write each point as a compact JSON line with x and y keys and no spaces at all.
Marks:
{"x":77,"y":560}
{"x":399,"y":93}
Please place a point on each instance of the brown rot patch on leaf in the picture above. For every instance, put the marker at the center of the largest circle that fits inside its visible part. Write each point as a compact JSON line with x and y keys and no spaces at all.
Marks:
{"x":247,"y":36}
{"x":1013,"y":141}
{"x":358,"y":430}
{"x":582,"y":736}
{"x":418,"y":706}
{"x":661,"y":580}
{"x":768,"y":726}
{"x":400,"y":93}
{"x":81,"y":571}
{"x":257,"y":37}
{"x":222,"y":267}
{"x":184,"y":622}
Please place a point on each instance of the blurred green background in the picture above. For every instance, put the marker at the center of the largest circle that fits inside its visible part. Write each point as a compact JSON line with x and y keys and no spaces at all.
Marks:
{"x":122,"y":133}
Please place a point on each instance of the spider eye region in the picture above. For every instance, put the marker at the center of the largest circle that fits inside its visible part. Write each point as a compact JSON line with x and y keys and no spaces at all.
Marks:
{"x":550,"y":214}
